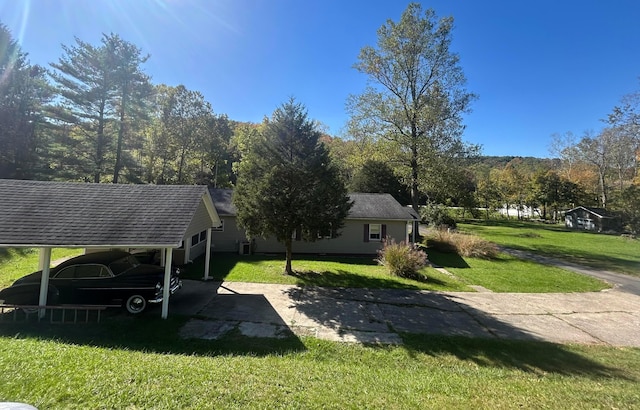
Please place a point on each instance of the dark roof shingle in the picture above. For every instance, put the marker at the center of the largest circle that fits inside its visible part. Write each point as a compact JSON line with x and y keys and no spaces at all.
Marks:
{"x":365,"y":206}
{"x":64,"y":214}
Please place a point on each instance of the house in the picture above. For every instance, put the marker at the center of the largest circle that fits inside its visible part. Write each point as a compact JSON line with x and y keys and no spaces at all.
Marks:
{"x":591,"y":219}
{"x":371,"y":218}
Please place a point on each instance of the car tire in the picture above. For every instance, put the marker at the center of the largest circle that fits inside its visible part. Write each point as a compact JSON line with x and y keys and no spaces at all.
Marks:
{"x":135,"y":304}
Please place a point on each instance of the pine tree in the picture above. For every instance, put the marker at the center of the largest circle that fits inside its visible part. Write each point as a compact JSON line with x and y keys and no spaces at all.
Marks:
{"x":287,"y":184}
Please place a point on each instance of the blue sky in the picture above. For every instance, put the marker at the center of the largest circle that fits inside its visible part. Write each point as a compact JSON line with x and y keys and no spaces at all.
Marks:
{"x":539,"y":67}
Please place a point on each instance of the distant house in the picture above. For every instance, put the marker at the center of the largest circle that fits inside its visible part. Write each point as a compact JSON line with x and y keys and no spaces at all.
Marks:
{"x":591,"y":219}
{"x":372,"y":218}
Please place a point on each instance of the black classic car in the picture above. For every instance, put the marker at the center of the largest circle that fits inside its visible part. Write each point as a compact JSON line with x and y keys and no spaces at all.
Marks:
{"x":112,"y":278}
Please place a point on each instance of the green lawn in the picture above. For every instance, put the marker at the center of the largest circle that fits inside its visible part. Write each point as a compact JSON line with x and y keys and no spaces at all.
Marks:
{"x":600,"y":251}
{"x":17,"y":262}
{"x":139,"y":363}
{"x":506,"y":274}
{"x":350,"y":272}
{"x":509,"y":274}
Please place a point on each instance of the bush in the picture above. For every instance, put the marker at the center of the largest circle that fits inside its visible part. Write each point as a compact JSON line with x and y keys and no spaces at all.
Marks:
{"x":437,"y":216}
{"x":444,"y":240}
{"x":401,"y":259}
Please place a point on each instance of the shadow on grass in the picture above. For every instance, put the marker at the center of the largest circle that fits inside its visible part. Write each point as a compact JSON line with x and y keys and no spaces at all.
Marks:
{"x":342,"y":278}
{"x":446,"y":259}
{"x":149,"y":333}
{"x":527,"y":356}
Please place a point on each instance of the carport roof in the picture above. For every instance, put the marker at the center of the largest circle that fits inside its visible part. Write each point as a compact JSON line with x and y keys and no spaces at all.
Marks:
{"x":66,"y":214}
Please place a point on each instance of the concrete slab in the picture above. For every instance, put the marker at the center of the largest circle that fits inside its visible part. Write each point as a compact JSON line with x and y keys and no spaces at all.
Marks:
{"x":378,"y":316}
{"x":418,"y":319}
{"x":250,"y":329}
{"x":537,"y":327}
{"x":614,"y":328}
{"x":206,"y":329}
{"x":248,"y":308}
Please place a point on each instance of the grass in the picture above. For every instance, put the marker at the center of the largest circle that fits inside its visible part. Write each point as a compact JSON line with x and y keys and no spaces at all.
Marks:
{"x":599,"y":251}
{"x":136,"y":363}
{"x":17,"y":262}
{"x":505,"y":273}
{"x":349,"y":272}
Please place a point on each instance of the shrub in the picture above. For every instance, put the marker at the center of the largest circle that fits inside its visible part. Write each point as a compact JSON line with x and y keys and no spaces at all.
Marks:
{"x":437,"y":215}
{"x":401,"y":259}
{"x":444,"y":240}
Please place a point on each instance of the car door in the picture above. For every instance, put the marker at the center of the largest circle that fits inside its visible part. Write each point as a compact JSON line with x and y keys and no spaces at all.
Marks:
{"x":88,"y":284}
{"x":93,"y":284}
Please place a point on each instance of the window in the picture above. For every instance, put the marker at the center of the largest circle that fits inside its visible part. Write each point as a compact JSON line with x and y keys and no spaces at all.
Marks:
{"x":375,"y":232}
{"x":195,"y":239}
{"x":92,"y":271}
{"x":67,"y":273}
{"x":219,"y":228}
{"x":203,"y":236}
{"x":325,"y":233}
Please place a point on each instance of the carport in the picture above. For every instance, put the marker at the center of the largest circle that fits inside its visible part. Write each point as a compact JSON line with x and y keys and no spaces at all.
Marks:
{"x":46,"y":215}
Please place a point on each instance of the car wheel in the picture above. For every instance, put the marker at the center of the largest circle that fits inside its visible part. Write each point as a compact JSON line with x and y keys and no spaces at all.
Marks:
{"x":135,"y":304}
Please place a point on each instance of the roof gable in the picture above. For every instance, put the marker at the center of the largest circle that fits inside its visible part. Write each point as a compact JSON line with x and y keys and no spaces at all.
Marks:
{"x":600,"y":212}
{"x":66,"y":214}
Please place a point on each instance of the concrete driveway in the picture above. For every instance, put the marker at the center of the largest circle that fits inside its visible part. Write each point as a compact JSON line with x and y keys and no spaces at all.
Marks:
{"x":609,"y":317}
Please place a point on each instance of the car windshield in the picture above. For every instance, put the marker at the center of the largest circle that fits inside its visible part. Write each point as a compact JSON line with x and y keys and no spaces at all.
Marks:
{"x":123,"y":264}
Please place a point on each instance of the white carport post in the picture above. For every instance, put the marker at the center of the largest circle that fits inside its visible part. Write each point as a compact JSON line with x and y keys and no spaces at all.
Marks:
{"x":207,"y":256}
{"x":45,"y":262}
{"x":167,"y":283}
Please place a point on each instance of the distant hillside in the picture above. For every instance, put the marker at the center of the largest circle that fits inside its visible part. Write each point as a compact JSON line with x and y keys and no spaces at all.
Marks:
{"x":502,"y":161}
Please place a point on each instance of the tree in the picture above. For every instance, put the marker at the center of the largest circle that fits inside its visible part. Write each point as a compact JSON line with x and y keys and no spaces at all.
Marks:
{"x":24,"y":92}
{"x":287,"y":184}
{"x":416,"y":96}
{"x":132,"y":95}
{"x":596,"y":150}
{"x":180,"y":137}
{"x":103,"y":92}
{"x":377,"y":176}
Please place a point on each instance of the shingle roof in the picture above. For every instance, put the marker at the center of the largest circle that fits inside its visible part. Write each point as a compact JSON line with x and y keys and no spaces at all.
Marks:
{"x":222,"y":201}
{"x":601,"y":212}
{"x":65,"y":214}
{"x":378,"y":206}
{"x":365,"y":206}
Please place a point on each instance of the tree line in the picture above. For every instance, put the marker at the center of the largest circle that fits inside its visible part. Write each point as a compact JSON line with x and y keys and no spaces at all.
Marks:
{"x":95,"y":115}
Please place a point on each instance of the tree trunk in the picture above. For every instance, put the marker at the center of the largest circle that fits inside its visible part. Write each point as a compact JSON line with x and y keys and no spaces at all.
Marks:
{"x":603,"y":190}
{"x":414,"y":179}
{"x":99,"y":145}
{"x":287,"y":268}
{"x":118,"y":165}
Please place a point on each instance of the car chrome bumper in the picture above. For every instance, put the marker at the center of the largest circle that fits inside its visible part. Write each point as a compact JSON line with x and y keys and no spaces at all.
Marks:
{"x":174,"y":288}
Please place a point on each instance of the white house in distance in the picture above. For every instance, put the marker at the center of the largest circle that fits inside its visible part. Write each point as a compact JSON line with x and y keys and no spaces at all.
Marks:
{"x":372,"y":218}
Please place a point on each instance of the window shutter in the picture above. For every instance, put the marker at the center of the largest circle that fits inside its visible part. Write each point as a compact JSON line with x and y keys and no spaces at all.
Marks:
{"x":383,"y":232}
{"x":366,"y":232}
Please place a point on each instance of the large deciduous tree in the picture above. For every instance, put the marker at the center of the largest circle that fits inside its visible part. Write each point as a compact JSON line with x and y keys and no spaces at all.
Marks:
{"x":287,"y":185}
{"x":416,"y":95}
